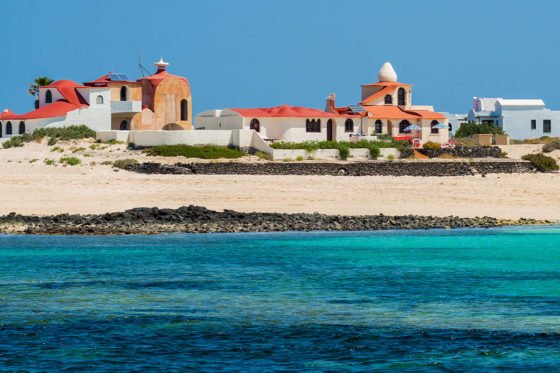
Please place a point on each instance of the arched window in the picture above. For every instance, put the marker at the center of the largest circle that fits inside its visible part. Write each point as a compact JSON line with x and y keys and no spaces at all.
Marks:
{"x":48,"y":97}
{"x":378,"y":126}
{"x":435,"y":131}
{"x":255,"y":125}
{"x":388,"y":100}
{"x":450,"y":127}
{"x":9,"y":128}
{"x":21,"y":128}
{"x":402,"y":126}
{"x":124,"y":125}
{"x":349,"y":125}
{"x":402,"y":96}
{"x":184,"y":110}
{"x":99,"y":100}
{"x":1,"y":130}
{"x":124,"y":93}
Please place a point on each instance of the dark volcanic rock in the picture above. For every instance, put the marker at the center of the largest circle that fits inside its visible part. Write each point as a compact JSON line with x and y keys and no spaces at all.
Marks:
{"x":194,"y":219}
{"x":419,"y":168}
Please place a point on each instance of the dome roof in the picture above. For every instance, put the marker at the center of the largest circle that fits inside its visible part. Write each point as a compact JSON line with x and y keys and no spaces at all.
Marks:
{"x":387,"y":73}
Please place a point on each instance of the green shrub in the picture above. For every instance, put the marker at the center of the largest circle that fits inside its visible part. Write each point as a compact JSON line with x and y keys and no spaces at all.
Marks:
{"x":344,"y":151}
{"x":123,"y":163}
{"x":264,"y":155}
{"x":342,"y":146}
{"x":432,"y":145}
{"x":13,"y":142}
{"x":57,"y":149}
{"x":541,"y":162}
{"x":107,"y":163}
{"x":72,"y":161}
{"x":470,"y":129}
{"x":391,"y":157}
{"x":48,"y":162}
{"x":52,"y":141}
{"x":551,"y":146}
{"x":54,"y":134}
{"x":77,"y":150}
{"x":203,"y":152}
{"x":299,"y":158}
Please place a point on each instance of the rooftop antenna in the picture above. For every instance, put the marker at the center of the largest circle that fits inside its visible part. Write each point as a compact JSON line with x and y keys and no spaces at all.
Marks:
{"x":140,"y":66}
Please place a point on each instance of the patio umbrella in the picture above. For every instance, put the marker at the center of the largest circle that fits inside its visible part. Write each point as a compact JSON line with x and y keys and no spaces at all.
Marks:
{"x":413,"y":127}
{"x":440,"y":125}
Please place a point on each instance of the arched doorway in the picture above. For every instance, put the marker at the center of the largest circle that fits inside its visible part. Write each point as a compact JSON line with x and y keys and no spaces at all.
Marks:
{"x":124,"y":93}
{"x":402,"y":126}
{"x":255,"y":125}
{"x":331,"y":130}
{"x":124,"y":125}
{"x":184,"y":110}
{"x":9,"y":128}
{"x":172,"y":127}
{"x":402,"y":97}
{"x":21,"y":128}
{"x":48,"y":97}
{"x":378,"y":126}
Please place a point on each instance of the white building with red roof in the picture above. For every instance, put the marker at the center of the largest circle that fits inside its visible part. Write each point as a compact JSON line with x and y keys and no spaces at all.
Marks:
{"x":385,"y":109}
{"x":111,"y":102}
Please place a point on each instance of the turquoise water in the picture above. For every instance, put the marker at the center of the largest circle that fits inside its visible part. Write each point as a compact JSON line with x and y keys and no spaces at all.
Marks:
{"x":412,"y":301}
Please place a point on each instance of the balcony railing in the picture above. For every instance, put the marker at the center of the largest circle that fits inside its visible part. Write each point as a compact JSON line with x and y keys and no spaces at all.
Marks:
{"x":124,"y":107}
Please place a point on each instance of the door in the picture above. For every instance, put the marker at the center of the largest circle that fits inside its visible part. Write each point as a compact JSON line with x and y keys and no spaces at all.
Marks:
{"x":330,"y":130}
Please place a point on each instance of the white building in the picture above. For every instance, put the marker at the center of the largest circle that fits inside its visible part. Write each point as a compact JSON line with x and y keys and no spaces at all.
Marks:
{"x":385,"y":109}
{"x":285,"y":123}
{"x":520,"y":119}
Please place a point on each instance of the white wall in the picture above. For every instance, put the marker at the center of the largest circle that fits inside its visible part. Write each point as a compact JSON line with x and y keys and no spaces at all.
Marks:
{"x":517,"y":123}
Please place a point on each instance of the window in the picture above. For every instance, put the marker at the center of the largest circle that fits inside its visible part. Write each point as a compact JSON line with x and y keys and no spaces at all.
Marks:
{"x":124,"y":93}
{"x":313,"y":125}
{"x":450,"y":127}
{"x":388,"y":100}
{"x":184,"y":110}
{"x":547,"y":126}
{"x":0,"y":129}
{"x":402,"y":96}
{"x":21,"y":128}
{"x":124,"y":125}
{"x":99,"y":100}
{"x":435,"y":131}
{"x":9,"y":128}
{"x":349,"y":125}
{"x":402,"y":126}
{"x":533,"y":124}
{"x":378,"y":126}
{"x":48,"y":97}
{"x":255,"y":125}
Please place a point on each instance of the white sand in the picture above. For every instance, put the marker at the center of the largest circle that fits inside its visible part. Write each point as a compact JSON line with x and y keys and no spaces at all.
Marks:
{"x":37,"y":188}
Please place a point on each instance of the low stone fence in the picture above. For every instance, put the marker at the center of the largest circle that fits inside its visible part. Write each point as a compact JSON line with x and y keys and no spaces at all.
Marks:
{"x":459,"y":152}
{"x":331,"y":154}
{"x":399,"y":168}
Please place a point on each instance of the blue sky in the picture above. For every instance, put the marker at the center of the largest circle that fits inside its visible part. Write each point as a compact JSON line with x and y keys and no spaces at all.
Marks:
{"x":255,"y":53}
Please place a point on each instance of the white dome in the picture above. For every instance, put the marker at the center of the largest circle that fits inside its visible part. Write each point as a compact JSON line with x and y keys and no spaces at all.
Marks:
{"x":387,"y":73}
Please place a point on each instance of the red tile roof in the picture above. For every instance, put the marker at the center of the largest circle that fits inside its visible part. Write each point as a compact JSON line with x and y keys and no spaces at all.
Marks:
{"x":160,"y":76}
{"x":56,"y":109}
{"x":382,"y":93}
{"x":395,"y":112}
{"x":7,"y":114}
{"x":286,"y":111}
{"x":68,"y":90}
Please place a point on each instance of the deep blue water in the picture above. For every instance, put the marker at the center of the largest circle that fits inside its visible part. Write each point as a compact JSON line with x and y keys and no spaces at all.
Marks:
{"x":423,"y":300}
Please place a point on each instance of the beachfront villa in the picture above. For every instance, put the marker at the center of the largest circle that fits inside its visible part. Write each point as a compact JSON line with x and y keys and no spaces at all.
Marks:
{"x":520,"y":119}
{"x":111,"y":102}
{"x":385,"y":109}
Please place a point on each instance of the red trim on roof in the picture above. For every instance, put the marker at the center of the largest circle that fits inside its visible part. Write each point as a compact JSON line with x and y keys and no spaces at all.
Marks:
{"x":160,"y":76}
{"x":7,"y":114}
{"x":56,"y":109}
{"x":395,"y":112}
{"x":382,"y":93}
{"x":68,"y":90}
{"x":286,"y":111}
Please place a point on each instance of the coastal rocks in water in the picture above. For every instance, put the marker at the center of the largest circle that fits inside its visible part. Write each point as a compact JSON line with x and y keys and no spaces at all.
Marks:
{"x":423,"y":168}
{"x":195,"y":219}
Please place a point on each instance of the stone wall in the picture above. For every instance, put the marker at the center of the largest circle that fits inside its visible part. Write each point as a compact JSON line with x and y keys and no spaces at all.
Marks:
{"x":459,"y":152}
{"x":399,"y":168}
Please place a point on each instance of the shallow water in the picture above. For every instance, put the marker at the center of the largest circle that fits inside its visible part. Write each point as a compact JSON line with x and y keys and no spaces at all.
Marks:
{"x":420,"y":300}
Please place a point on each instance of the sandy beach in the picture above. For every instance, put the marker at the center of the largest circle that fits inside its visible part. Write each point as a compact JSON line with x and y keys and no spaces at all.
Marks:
{"x":29,"y":186}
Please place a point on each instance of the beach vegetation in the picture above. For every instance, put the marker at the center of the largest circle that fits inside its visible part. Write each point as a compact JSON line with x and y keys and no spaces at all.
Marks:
{"x":188,"y":151}
{"x":299,"y":158}
{"x":264,"y":155}
{"x":49,"y":162}
{"x":542,"y":162}
{"x":53,"y":134}
{"x":71,"y":161}
{"x":551,"y":146}
{"x":124,"y":163}
{"x":431,"y":145}
{"x":57,"y":149}
{"x":77,"y":150}
{"x":471,"y":129}
{"x":107,"y":163}
{"x":342,"y":146}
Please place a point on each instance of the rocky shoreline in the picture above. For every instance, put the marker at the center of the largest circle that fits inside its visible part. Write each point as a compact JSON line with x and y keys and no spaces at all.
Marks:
{"x":372,"y":168}
{"x":194,"y":219}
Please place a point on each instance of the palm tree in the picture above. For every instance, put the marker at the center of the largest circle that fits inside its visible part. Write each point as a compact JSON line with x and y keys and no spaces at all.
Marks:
{"x":38,"y":83}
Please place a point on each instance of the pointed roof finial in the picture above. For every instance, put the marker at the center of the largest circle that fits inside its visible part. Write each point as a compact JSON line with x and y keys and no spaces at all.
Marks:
{"x":161,"y":64}
{"x":387,"y":73}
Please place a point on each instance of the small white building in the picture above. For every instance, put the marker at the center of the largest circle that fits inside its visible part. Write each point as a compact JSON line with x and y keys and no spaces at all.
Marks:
{"x":285,"y":123}
{"x":520,"y":119}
